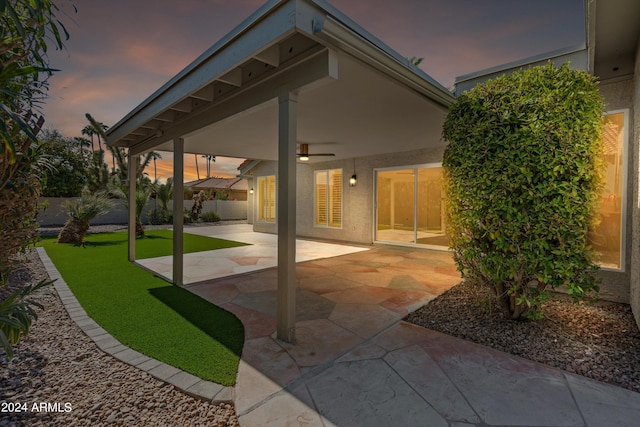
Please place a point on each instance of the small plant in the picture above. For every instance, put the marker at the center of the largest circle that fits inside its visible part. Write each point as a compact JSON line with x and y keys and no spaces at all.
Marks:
{"x":159,"y":216}
{"x":210,"y":217}
{"x":196,"y":209}
{"x":81,"y":212}
{"x":17,"y":312}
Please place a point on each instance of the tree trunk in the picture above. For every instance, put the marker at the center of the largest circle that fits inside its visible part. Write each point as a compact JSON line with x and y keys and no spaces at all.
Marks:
{"x":139,"y":229}
{"x":73,"y":231}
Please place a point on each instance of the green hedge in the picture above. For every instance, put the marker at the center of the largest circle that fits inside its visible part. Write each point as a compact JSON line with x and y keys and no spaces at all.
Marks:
{"x":523,"y":172}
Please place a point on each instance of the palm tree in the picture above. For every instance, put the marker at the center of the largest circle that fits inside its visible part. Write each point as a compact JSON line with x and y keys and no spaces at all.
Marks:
{"x":81,"y":212}
{"x":81,"y":143}
{"x":89,"y":131}
{"x":209,"y":159}
{"x":100,"y":129}
{"x":164,"y":193}
{"x":197,"y":169}
{"x":155,"y":155}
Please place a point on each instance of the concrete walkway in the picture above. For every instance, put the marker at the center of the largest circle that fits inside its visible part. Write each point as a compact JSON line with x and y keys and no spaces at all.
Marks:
{"x":356,"y":363}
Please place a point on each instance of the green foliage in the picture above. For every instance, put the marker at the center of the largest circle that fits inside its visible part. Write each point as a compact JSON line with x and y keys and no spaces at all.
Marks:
{"x":81,"y":212}
{"x":523,"y":171}
{"x":17,"y":313}
{"x":164,"y":193}
{"x":159,"y":216}
{"x":69,"y":166}
{"x":27,"y":29}
{"x":210,"y":217}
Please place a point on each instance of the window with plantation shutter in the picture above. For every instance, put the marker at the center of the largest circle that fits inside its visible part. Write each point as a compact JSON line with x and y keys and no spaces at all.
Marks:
{"x":328,"y":198}
{"x":267,"y":198}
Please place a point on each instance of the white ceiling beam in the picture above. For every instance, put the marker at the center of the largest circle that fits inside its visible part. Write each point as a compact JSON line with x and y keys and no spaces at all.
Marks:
{"x":318,"y":68}
{"x":270,"y":56}
{"x":167,"y":116}
{"x":205,"y":94}
{"x":185,"y":106}
{"x":233,"y":77}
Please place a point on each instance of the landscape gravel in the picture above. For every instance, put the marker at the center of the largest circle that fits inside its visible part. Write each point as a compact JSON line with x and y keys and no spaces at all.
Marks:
{"x":600,"y":341}
{"x":59,"y":366}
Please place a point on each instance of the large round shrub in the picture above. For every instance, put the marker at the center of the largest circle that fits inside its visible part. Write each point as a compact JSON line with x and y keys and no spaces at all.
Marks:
{"x":523,"y":170}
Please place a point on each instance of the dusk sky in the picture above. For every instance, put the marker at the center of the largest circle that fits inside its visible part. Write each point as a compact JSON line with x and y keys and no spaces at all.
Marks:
{"x":121,"y":51}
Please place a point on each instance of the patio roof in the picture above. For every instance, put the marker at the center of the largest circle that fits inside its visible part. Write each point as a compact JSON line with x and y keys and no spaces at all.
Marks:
{"x":296,"y":71}
{"x":355,"y":93}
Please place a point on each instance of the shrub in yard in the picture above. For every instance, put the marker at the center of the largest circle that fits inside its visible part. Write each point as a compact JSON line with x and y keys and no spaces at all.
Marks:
{"x":523,"y":171}
{"x":159,"y":216}
{"x":210,"y":217}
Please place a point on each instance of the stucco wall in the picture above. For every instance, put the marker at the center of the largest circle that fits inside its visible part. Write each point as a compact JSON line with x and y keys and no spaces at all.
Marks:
{"x":635,"y":201}
{"x":358,"y":215}
{"x":55,"y":214}
{"x":618,"y":95}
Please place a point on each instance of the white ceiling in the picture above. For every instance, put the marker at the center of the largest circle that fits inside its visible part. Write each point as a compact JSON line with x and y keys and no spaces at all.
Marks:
{"x":363,"y":112}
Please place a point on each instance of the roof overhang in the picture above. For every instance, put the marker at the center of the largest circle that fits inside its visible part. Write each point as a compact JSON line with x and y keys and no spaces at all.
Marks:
{"x":356,"y":95}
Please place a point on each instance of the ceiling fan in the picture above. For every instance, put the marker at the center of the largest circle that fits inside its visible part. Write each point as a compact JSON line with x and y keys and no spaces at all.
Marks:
{"x":303,"y":153}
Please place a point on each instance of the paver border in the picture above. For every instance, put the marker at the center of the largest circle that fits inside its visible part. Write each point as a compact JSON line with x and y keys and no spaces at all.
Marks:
{"x":183,"y":381}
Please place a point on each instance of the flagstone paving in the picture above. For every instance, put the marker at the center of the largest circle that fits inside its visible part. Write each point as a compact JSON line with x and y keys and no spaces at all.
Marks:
{"x":356,"y":363}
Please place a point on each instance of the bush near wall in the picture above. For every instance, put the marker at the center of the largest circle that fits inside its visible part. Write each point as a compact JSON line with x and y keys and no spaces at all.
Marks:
{"x":523,"y":171}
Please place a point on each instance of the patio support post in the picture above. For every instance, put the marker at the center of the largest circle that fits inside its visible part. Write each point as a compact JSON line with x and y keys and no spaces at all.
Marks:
{"x":286,"y":214}
{"x":131,"y":176}
{"x":178,"y":210}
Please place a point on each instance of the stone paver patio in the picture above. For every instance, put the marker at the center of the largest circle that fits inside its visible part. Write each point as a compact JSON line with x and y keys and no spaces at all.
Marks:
{"x":356,"y":363}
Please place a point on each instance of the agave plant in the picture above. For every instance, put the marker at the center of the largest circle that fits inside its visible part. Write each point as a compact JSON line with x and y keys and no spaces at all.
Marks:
{"x":81,"y":212}
{"x":17,"y":312}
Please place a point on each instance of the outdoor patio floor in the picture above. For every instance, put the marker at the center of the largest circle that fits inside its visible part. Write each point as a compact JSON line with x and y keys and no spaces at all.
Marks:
{"x":356,"y":363}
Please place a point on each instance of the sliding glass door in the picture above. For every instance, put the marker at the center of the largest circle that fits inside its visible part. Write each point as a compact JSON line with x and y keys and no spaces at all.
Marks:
{"x":409,"y":206}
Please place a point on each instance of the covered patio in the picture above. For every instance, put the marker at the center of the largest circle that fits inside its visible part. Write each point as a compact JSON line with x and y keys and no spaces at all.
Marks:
{"x":295,"y":72}
{"x":342,"y":303}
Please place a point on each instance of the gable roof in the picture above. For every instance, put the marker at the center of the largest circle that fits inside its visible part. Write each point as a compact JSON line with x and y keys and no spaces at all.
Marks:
{"x":286,"y":45}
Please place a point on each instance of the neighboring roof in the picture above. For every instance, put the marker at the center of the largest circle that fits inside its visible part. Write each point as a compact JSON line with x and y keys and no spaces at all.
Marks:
{"x":219,"y":184}
{"x":287,"y":45}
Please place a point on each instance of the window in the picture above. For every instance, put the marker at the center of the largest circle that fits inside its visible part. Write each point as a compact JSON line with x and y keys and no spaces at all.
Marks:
{"x":328,"y":198}
{"x":608,"y":237}
{"x":267,"y":198}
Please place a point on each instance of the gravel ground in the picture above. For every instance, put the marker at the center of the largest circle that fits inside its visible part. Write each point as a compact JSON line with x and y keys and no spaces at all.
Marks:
{"x":58,"y":364}
{"x":600,"y":341}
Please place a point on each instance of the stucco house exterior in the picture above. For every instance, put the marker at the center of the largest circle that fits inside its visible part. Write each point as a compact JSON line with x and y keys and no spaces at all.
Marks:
{"x":343,"y":133}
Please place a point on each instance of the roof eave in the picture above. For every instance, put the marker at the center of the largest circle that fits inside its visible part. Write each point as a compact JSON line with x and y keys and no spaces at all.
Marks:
{"x":367,"y":48}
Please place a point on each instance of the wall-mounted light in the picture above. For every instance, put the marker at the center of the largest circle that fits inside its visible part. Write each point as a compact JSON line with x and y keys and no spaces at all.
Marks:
{"x":353,"y":180}
{"x":304,"y":158}
{"x":251,"y":190}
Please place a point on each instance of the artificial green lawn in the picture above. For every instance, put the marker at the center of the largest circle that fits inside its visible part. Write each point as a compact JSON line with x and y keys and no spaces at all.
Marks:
{"x":145,"y":312}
